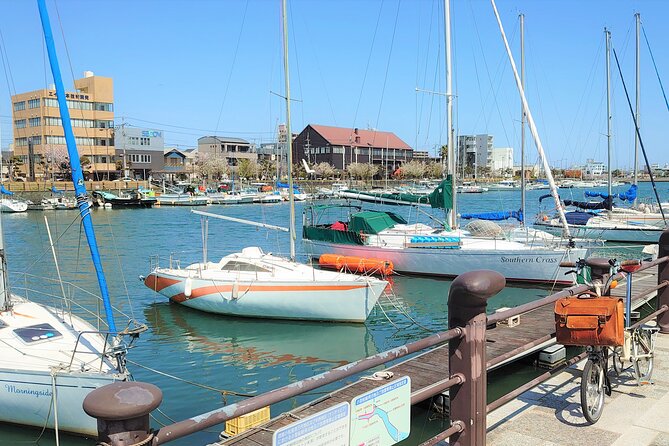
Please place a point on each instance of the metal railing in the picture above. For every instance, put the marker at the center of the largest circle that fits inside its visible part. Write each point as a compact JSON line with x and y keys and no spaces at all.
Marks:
{"x":467,"y":359}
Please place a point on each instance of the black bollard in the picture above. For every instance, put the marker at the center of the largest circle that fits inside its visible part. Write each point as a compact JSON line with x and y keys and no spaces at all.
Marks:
{"x":467,"y":301}
{"x":122,"y":410}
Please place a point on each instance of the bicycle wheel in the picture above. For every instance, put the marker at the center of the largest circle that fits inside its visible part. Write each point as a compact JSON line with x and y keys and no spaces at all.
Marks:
{"x":618,"y":360}
{"x":642,"y":353}
{"x":592,"y":390}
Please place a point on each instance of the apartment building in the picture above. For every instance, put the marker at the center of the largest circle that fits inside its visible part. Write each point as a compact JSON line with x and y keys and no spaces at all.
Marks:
{"x":39,"y":139}
{"x":475,"y":151}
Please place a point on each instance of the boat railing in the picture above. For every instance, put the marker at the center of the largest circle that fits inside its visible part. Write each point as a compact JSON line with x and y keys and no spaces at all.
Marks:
{"x":60,"y":296}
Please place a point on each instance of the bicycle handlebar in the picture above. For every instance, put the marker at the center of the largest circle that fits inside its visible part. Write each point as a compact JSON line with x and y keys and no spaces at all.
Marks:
{"x":567,"y":264}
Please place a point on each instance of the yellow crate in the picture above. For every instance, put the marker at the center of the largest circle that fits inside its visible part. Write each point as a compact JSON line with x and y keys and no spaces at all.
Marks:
{"x":246,"y":422}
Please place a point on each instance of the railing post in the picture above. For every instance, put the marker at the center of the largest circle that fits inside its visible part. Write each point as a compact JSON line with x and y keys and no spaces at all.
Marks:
{"x":467,"y":301}
{"x":122,"y":410}
{"x":662,"y":275}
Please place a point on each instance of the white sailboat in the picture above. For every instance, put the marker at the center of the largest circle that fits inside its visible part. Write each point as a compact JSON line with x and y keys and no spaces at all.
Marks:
{"x":11,"y":205}
{"x":608,"y":223}
{"x":51,"y":358}
{"x":251,"y":283}
{"x":421,"y":249}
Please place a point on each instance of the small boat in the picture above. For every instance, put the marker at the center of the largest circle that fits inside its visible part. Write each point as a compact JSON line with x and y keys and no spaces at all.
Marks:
{"x":130,"y":200}
{"x":232,"y":197}
{"x":504,"y":185}
{"x":470,"y":188}
{"x":271,"y":198}
{"x":12,"y":205}
{"x":251,"y":283}
{"x":181,"y":199}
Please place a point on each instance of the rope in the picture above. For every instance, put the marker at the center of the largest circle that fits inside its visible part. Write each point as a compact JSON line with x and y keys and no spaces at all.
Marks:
{"x":203,"y":386}
{"x":144,"y":442}
{"x":655,"y":66}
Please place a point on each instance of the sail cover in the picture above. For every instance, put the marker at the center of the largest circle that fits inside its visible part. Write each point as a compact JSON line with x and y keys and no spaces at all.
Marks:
{"x":629,"y":195}
{"x":5,"y":191}
{"x":494,"y":216}
{"x":442,"y":196}
{"x":607,"y":203}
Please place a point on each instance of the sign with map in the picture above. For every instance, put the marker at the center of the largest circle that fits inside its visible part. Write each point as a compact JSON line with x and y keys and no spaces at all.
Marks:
{"x":382,"y":417}
{"x":328,"y":427}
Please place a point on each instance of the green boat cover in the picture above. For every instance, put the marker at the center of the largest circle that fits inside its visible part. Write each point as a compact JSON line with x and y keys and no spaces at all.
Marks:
{"x":325,"y":234}
{"x":442,"y":196}
{"x":373,"y":222}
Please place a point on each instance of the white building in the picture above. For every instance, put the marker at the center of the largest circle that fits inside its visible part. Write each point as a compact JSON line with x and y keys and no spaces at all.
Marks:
{"x":593,"y":169}
{"x":502,"y":159}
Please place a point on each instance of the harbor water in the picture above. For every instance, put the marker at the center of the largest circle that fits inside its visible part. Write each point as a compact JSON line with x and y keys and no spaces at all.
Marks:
{"x":201,"y":361}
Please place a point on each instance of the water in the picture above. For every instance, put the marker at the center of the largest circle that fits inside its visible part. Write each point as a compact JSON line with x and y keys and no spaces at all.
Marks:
{"x":227,"y":354}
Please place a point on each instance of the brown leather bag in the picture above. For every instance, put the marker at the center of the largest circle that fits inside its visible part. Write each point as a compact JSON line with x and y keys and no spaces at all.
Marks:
{"x":589,"y":321}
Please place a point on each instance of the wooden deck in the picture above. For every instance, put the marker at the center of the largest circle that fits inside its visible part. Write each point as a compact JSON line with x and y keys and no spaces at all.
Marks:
{"x":431,"y":366}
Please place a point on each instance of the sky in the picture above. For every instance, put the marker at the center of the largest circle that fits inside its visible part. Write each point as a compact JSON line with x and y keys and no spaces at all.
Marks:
{"x":200,"y":67}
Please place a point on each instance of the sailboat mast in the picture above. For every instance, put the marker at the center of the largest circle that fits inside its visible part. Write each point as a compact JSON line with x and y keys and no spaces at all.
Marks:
{"x":532,"y":126}
{"x":607,"y":34}
{"x":75,"y":165}
{"x":522,"y":119}
{"x":5,"y":301}
{"x":289,"y":142}
{"x":637,"y":16}
{"x":449,"y":114}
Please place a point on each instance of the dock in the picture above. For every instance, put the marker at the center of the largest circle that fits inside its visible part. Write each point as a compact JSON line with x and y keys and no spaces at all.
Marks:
{"x":505,"y":343}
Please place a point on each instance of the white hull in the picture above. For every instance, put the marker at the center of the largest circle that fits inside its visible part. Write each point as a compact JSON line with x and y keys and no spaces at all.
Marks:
{"x":633,"y":235}
{"x":26,"y":399}
{"x":181,"y":200}
{"x":537,"y":265}
{"x":316,"y":300}
{"x":10,"y":205}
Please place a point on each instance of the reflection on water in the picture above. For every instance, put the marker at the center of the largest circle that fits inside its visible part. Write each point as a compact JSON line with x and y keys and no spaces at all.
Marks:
{"x":228,"y":354}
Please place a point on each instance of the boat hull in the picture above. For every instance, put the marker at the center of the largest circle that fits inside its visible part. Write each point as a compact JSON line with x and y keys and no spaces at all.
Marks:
{"x":317,"y":301}
{"x":628,"y":235}
{"x":26,"y":398}
{"x":537,"y":266}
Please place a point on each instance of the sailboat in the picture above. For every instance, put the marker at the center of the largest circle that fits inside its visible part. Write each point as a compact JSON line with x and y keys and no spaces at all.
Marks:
{"x":601,"y":220}
{"x":11,"y":205}
{"x":252,"y":283}
{"x":425,"y":250}
{"x":51,"y":358}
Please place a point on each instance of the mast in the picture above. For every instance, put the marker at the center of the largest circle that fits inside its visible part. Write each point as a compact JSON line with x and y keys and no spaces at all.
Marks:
{"x":75,"y":165}
{"x":522,"y":119}
{"x":533,"y":127}
{"x":289,"y":142}
{"x":449,"y":113}
{"x":5,"y":298}
{"x":637,"y":16}
{"x":607,"y":34}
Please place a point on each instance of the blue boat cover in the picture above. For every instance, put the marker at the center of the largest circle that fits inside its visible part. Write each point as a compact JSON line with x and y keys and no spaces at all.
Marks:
{"x":56,"y":191}
{"x":454,"y":242}
{"x":578,"y":217}
{"x":543,"y":197}
{"x":281,"y":185}
{"x":5,"y":191}
{"x":495,"y":216}
{"x":629,"y":195}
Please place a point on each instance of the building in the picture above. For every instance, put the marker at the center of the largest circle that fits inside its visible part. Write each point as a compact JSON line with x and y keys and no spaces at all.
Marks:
{"x":502,"y":160}
{"x":341,"y":146}
{"x":475,"y":151}
{"x":421,"y":155}
{"x":139,"y":152}
{"x":232,"y":149}
{"x":593,"y":169}
{"x":178,"y":164}
{"x":39,"y":139}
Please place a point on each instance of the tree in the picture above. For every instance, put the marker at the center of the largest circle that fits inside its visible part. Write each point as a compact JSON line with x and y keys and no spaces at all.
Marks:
{"x":362,"y":171}
{"x":268,"y":168}
{"x":413,"y":169}
{"x":248,"y":168}
{"x":324,"y":170}
{"x":434,"y":170}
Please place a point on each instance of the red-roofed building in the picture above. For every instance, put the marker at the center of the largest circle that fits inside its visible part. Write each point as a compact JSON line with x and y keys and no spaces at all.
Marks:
{"x":341,"y":146}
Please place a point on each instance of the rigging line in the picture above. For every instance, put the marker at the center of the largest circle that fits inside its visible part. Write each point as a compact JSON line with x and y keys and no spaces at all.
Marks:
{"x":638,"y":134}
{"x":369,"y":59}
{"x":232,"y":65}
{"x":385,"y":79}
{"x":427,"y":57}
{"x":177,"y":378}
{"x":7,"y":67}
{"x":297,"y":60}
{"x":657,"y":73}
{"x":193,"y":128}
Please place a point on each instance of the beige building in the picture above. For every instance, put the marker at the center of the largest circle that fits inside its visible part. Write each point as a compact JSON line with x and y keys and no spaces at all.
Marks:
{"x":39,"y":139}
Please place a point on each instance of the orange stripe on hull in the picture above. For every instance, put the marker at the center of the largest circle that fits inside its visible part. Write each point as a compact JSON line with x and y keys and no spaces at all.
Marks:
{"x":157,"y":283}
{"x":206,"y":290}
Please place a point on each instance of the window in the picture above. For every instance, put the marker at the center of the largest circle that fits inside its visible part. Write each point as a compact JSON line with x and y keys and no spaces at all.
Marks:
{"x":144,"y":141}
{"x":103,"y":106}
{"x":18,"y":106}
{"x":34,"y":103}
{"x":50,"y":102}
{"x":34,"y":122}
{"x":139,"y":158}
{"x":20,"y":142}
{"x":234,"y":265}
{"x":35,"y":140}
{"x":337,"y":150}
{"x":20,"y":123}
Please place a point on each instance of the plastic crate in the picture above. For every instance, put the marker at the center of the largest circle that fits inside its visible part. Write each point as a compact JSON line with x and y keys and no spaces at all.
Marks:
{"x":246,"y":422}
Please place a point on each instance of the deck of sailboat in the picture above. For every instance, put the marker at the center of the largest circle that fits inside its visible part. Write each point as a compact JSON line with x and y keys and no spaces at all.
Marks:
{"x":25,"y":346}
